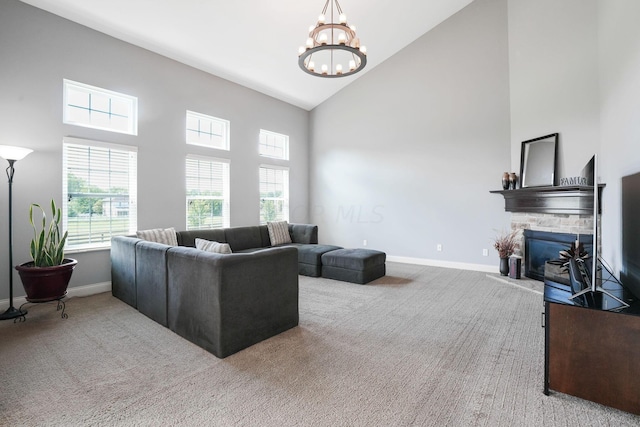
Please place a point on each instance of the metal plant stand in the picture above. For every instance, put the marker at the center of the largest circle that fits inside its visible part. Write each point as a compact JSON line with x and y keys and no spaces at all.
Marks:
{"x":61,"y":306}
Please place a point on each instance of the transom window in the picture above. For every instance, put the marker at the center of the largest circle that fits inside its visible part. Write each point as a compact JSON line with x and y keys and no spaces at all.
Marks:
{"x":98,"y":108}
{"x":207,"y":193}
{"x":207,"y":131}
{"x":274,"y":194}
{"x":99,"y":192}
{"x":274,"y":145}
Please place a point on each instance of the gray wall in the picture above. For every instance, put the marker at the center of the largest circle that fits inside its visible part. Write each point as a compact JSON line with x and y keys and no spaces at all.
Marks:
{"x":575,"y":69}
{"x":39,"y":49}
{"x":619,"y":49}
{"x":405,"y":156}
{"x":553,"y":65}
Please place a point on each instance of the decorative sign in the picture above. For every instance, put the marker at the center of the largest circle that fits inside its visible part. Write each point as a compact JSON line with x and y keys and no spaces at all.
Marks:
{"x":574,"y":180}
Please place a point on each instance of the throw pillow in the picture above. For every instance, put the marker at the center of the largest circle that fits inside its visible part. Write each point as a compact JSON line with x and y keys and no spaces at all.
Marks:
{"x":278,"y":233}
{"x":158,"y":235}
{"x":215,"y":247}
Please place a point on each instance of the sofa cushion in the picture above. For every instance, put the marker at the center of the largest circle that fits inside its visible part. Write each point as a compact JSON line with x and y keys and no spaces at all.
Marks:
{"x":240,"y":238}
{"x":158,"y":235}
{"x":279,"y":233}
{"x":303,"y":233}
{"x":215,"y":247}
{"x":188,"y":238}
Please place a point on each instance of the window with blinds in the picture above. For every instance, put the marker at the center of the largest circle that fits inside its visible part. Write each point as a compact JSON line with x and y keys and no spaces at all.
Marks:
{"x":274,"y":145}
{"x":99,"y":192}
{"x":207,"y":131}
{"x":98,"y":108}
{"x":274,"y":194}
{"x":207,"y":193}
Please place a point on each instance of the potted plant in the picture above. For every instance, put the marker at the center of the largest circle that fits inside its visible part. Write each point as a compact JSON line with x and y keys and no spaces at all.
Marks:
{"x":506,"y":244}
{"x":47,"y":276}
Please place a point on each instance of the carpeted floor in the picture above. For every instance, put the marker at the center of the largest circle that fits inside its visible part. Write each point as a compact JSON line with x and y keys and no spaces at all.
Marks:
{"x":423,"y":346}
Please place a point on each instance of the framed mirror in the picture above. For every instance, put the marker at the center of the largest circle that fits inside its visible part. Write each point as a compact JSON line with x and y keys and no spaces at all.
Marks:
{"x":538,"y":161}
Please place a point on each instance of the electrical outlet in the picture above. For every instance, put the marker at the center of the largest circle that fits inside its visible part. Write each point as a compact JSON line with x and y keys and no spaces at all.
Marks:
{"x":364,"y":242}
{"x":439,"y":247}
{"x":485,"y":252}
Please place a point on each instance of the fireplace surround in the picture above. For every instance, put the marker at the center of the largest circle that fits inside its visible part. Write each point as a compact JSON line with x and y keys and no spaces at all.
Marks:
{"x":543,"y":246}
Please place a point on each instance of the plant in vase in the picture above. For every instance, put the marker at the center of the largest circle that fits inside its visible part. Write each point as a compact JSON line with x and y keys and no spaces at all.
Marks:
{"x":506,"y":244}
{"x":47,"y":276}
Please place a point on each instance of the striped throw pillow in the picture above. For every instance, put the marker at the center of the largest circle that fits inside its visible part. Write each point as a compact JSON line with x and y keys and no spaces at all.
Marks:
{"x":158,"y":235}
{"x":211,"y":246}
{"x":278,"y":233}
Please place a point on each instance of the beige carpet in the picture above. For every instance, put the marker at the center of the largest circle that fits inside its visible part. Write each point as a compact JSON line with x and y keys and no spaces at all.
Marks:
{"x":423,"y":346}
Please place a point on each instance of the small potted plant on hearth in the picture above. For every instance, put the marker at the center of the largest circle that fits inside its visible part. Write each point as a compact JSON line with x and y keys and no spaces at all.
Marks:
{"x":47,"y":276}
{"x":506,"y":244}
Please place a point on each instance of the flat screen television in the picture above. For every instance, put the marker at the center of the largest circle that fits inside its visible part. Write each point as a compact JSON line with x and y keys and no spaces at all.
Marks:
{"x":630,"y":274}
{"x":593,"y":277}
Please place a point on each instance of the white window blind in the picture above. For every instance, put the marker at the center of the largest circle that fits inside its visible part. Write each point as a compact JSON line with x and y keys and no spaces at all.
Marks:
{"x":207,"y":131}
{"x":98,"y":108}
{"x":207,"y":193}
{"x":274,"y":194}
{"x":99,"y":192}
{"x":274,"y":145}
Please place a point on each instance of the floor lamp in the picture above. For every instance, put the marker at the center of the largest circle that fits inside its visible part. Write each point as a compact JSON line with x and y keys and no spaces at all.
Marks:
{"x":12,"y":155}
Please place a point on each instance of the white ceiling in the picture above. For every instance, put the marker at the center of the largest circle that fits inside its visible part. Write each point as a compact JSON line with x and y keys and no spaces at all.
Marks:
{"x":255,"y":42}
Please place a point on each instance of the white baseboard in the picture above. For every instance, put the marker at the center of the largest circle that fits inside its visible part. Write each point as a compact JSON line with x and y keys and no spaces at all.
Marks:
{"x":78,"y":291}
{"x":445,"y":264}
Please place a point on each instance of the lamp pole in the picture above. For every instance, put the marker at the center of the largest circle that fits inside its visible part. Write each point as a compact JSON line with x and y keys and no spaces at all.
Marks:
{"x":12,"y":155}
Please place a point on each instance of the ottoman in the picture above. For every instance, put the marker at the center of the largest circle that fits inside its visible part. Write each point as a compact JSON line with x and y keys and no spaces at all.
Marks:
{"x":353,"y":265}
{"x":310,"y":258}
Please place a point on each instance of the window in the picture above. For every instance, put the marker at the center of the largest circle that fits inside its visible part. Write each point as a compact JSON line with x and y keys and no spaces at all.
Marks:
{"x":207,"y":193}
{"x":207,"y":131}
{"x":99,"y":192}
{"x":97,"y":108}
{"x":274,"y":194}
{"x":274,"y":145}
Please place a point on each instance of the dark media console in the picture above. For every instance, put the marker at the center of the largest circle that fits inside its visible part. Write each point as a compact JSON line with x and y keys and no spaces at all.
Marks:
{"x":592,"y":346}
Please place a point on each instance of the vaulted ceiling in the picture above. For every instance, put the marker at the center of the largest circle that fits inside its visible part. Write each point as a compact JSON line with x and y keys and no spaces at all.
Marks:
{"x":255,"y":42}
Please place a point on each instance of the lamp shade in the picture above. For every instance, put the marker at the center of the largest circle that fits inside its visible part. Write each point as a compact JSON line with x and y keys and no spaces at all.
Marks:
{"x":9,"y":152}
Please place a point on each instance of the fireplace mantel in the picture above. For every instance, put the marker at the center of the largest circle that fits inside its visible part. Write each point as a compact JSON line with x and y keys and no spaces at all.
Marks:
{"x":570,"y":200}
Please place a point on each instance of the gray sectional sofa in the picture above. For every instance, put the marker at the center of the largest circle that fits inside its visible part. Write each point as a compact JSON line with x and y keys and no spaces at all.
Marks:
{"x":221,"y":302}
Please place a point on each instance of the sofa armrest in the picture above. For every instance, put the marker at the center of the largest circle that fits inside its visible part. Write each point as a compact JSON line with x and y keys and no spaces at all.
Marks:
{"x":304,"y":233}
{"x":225,"y":303}
{"x":151,"y":280}
{"x":123,"y":268}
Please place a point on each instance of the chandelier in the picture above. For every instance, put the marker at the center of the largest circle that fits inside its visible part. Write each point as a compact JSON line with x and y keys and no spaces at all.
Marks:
{"x":332,"y":49}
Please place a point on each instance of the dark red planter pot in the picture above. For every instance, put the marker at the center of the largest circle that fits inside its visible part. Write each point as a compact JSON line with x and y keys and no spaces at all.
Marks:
{"x":46,"y":283}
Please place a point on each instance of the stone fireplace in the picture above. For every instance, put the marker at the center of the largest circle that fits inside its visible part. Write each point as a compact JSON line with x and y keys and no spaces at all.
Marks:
{"x":544,"y":235}
{"x":561,"y":210}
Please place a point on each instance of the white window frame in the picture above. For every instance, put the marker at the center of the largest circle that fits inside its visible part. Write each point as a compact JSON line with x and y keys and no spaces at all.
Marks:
{"x":102,"y":239}
{"x":279,"y":141}
{"x":225,"y":197}
{"x":206,"y":137}
{"x":284,"y":198}
{"x":103,"y":105}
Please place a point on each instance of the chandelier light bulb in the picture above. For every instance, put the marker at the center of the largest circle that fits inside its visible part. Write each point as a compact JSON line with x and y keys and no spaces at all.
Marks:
{"x":311,"y":66}
{"x":339,"y":69}
{"x":343,"y":18}
{"x":321,"y":19}
{"x":322,"y":39}
{"x":353,"y":28}
{"x":363,"y":49}
{"x":309,"y":43}
{"x":301,"y":50}
{"x":325,"y":69}
{"x":352,"y":65}
{"x":342,"y":38}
